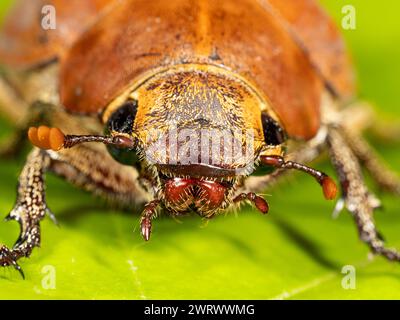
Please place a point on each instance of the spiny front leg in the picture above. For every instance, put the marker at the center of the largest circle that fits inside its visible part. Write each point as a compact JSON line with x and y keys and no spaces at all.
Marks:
{"x":30,"y":208}
{"x":356,"y":196}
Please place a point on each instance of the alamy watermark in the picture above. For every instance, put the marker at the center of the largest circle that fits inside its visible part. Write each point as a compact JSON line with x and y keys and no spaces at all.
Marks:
{"x":349,"y":279}
{"x":49,"y":19}
{"x":49,"y":277}
{"x":349,"y":17}
{"x":214,"y":147}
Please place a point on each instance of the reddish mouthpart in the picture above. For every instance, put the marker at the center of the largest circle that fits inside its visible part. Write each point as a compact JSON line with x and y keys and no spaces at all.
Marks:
{"x":205,"y":195}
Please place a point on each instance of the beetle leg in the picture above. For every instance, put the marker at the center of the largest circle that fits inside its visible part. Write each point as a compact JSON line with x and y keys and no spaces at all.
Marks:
{"x":94,"y":170}
{"x":356,"y":196}
{"x":149,"y":213}
{"x":383,"y":176}
{"x":29,"y":210}
{"x":360,"y":116}
{"x":83,"y":166}
{"x":260,"y":203}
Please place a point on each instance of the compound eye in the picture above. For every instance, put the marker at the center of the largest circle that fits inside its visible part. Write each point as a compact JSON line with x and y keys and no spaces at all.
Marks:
{"x":123,"y":118}
{"x":274,"y":134}
{"x":122,"y":121}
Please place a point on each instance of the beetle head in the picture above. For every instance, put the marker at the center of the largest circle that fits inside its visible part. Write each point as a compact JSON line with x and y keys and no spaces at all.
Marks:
{"x":199,"y":131}
{"x":194,"y":135}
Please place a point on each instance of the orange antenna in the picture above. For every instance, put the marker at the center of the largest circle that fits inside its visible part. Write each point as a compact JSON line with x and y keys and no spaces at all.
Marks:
{"x":54,"y":139}
{"x":329,"y":187}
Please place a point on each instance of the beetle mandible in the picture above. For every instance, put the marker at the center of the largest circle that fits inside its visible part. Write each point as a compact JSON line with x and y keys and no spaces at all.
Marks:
{"x":197,"y":106}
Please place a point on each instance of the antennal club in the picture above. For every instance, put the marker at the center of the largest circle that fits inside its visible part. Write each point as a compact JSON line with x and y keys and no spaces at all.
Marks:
{"x":54,"y":139}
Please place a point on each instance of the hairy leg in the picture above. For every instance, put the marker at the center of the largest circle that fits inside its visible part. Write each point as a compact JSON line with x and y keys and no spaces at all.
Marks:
{"x":361,"y":116}
{"x":30,"y":208}
{"x":355,"y":119}
{"x":149,"y":213}
{"x":356,"y":195}
{"x":93,"y":169}
{"x":376,"y":167}
{"x":85,"y":167}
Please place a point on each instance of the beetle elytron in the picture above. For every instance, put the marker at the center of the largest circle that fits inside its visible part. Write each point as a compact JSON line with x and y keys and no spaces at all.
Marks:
{"x":201,"y":77}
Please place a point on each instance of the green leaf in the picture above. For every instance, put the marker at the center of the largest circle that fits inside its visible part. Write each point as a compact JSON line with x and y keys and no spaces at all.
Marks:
{"x":297,"y":251}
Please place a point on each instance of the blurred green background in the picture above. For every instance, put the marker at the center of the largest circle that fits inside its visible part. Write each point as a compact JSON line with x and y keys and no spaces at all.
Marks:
{"x":295,"y":252}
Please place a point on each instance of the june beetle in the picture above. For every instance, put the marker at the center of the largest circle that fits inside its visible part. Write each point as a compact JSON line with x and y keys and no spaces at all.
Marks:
{"x":183,"y":106}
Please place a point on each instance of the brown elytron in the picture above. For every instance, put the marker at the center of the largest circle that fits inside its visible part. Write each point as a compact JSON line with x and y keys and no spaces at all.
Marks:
{"x":317,"y":33}
{"x":241,"y":36}
{"x":192,"y":101}
{"x":24,"y":42}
